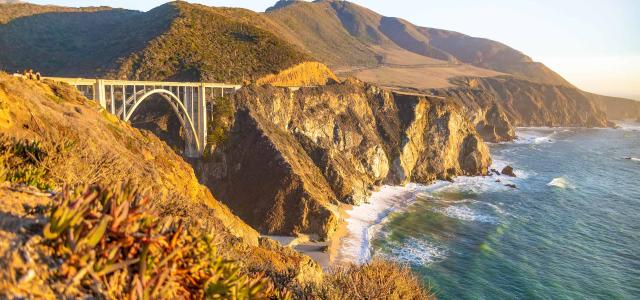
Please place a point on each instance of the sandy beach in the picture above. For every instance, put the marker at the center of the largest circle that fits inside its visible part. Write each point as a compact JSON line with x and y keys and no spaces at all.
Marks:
{"x":322,"y":252}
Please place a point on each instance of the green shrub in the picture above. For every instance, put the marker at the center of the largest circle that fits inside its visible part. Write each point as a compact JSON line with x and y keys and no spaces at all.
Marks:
{"x":220,"y":119}
{"x":21,"y":162}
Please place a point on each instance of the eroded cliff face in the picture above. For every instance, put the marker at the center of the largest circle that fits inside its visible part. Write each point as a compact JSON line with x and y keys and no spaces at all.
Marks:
{"x":496,"y":105}
{"x":483,"y":110}
{"x":292,"y":156}
{"x":533,"y":104}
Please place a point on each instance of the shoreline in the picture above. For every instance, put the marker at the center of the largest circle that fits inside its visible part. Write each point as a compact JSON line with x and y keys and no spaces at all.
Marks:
{"x":358,"y":224}
{"x":323,"y":253}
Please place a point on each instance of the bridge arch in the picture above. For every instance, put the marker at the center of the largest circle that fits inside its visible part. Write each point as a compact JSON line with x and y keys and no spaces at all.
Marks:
{"x":178,"y":107}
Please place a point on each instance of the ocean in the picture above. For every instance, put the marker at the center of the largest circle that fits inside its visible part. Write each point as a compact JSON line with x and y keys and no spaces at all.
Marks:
{"x":570,"y":230}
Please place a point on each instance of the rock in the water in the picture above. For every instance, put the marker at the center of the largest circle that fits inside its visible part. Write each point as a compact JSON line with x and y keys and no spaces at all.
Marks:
{"x":494,"y":171}
{"x":508,"y":170}
{"x":513,"y":186}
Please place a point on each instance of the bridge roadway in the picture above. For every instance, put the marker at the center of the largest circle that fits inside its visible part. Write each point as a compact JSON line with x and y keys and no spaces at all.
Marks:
{"x":189,"y":101}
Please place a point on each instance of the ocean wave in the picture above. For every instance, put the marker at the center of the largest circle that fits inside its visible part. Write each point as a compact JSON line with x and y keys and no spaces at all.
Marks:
{"x":465,"y":213}
{"x":365,"y":220}
{"x":537,"y":136}
{"x":628,"y":126}
{"x":633,"y":158}
{"x":561,"y":182}
{"x":478,"y":185}
{"x":416,"y":252}
{"x":499,"y":163}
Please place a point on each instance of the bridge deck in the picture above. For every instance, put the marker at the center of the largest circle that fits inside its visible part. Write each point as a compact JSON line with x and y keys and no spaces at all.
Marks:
{"x":85,"y":81}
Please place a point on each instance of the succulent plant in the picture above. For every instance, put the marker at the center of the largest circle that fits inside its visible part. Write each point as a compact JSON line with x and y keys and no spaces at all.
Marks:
{"x":114,"y":237}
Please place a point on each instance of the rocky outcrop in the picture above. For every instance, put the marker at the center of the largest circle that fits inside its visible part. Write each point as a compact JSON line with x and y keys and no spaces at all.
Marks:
{"x":617,"y":108}
{"x":482,"y":109}
{"x":533,"y":104}
{"x":508,"y":170}
{"x":291,"y":156}
{"x":496,"y":105}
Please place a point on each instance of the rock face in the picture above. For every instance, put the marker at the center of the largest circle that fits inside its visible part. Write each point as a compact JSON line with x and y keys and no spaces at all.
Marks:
{"x":533,"y":104}
{"x":483,"y":110}
{"x":495,"y":105}
{"x":291,"y":156}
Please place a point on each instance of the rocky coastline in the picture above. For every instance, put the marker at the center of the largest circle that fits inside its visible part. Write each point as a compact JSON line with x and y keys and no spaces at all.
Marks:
{"x":304,"y":152}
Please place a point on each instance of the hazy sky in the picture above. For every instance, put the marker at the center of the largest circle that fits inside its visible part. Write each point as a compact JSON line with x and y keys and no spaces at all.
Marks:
{"x":595,"y":44}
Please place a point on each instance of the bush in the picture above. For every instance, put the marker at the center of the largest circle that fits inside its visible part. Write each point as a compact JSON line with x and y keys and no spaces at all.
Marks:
{"x":20,"y":162}
{"x":219,"y":121}
{"x":114,"y":245}
{"x":378,"y":279}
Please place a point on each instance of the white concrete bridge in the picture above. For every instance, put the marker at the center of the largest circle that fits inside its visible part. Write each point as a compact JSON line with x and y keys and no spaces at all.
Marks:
{"x":190,"y":101}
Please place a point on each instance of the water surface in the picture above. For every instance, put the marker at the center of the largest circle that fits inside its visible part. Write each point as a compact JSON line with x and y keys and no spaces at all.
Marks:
{"x":571,"y":229}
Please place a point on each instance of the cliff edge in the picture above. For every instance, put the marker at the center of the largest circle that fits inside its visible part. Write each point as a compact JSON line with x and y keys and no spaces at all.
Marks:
{"x":291,"y":156}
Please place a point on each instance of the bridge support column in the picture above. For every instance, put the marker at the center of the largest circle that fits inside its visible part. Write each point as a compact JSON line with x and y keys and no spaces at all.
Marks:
{"x":202,"y":117}
{"x":99,"y":93}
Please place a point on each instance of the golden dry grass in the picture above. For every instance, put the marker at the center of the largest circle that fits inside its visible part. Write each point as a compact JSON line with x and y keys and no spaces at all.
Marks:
{"x":378,"y":279}
{"x":304,"y":74}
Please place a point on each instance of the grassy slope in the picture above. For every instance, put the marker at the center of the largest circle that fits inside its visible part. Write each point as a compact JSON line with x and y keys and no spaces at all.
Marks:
{"x":177,"y":41}
{"x":205,"y":44}
{"x":304,"y":74}
{"x":369,"y":38}
{"x":78,"y":42}
{"x":493,"y":55}
{"x":103,"y":149}
{"x":10,"y":11}
{"x":356,"y":41}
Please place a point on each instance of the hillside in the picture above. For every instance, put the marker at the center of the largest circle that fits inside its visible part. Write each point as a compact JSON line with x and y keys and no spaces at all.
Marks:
{"x":617,"y":108}
{"x":11,"y":9}
{"x":176,"y":41}
{"x":62,"y":156}
{"x":350,"y":37}
{"x":395,"y":53}
{"x":98,"y":148}
{"x":528,"y":104}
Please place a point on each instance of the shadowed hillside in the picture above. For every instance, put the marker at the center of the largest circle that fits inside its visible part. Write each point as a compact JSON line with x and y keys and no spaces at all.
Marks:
{"x":78,"y":43}
{"x":12,"y":9}
{"x":176,"y":41}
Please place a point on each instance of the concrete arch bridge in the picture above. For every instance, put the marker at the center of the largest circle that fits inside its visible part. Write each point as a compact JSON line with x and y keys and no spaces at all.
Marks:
{"x":190,"y":101}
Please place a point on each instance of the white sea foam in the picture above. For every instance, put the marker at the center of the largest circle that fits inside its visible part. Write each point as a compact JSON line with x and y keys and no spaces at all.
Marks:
{"x":366,"y":219}
{"x":561,"y":182}
{"x":628,"y":126}
{"x":464,"y":213}
{"x":634,"y":159}
{"x":417,"y":252}
{"x":537,"y":135}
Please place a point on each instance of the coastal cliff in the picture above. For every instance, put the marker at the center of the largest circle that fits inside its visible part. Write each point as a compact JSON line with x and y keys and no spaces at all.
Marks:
{"x":482,"y":109}
{"x":290,"y":157}
{"x":498,"y":104}
{"x":528,"y":103}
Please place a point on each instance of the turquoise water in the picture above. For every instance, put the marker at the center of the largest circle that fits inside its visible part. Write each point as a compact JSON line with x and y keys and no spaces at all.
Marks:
{"x":571,"y":230}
